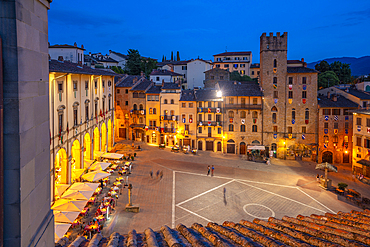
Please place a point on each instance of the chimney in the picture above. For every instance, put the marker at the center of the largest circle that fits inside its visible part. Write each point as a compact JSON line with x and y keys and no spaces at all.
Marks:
{"x":335,"y":98}
{"x":82,"y":47}
{"x":90,"y":53}
{"x":60,"y":58}
{"x":134,"y":80}
{"x":162,"y":82}
{"x":75,"y":44}
{"x":302,"y":59}
{"x":142,"y":73}
{"x":328,"y":95}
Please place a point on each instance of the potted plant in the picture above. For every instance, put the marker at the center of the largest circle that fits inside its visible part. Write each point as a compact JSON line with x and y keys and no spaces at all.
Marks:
{"x":342,"y":186}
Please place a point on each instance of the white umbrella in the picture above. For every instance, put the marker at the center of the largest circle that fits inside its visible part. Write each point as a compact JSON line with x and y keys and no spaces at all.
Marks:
{"x":88,"y":163}
{"x":77,"y":195}
{"x":60,"y":188}
{"x":65,"y":217}
{"x":76,"y":173}
{"x":84,"y":186}
{"x":60,"y":230}
{"x":114,"y":156}
{"x":95,"y":176}
{"x":70,"y":206}
{"x":99,"y":166}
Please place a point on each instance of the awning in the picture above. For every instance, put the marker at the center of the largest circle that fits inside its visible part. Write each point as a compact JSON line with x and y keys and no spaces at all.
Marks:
{"x":77,"y":195}
{"x":114,"y":156}
{"x":364,"y":162}
{"x":60,"y":188}
{"x":256,"y":147}
{"x":76,"y":173}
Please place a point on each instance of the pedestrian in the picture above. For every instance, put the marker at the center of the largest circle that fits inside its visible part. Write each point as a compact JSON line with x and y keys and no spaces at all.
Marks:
{"x":161,"y":175}
{"x":213,"y":169}
{"x":101,"y":183}
{"x":157,"y":173}
{"x":318,"y":178}
{"x":209,"y":170}
{"x":151,"y":173}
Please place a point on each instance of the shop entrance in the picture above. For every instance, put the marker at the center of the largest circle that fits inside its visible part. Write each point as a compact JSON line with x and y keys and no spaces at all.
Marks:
{"x":327,"y":157}
{"x":209,"y":145}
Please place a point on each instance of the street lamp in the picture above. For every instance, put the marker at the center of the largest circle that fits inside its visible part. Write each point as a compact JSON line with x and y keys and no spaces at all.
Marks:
{"x":284,"y":150}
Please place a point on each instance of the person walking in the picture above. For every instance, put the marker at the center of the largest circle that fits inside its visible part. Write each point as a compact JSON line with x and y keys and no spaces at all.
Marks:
{"x":213,"y":169}
{"x":209,"y":170}
{"x":151,"y":173}
{"x":161,"y":175}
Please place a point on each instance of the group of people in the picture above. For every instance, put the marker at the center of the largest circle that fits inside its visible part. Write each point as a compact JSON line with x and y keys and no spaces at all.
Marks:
{"x":360,"y":176}
{"x":159,"y":174}
{"x":210,"y":170}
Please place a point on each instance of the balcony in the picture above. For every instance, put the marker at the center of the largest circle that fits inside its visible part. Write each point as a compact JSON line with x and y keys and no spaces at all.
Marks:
{"x":170,"y":118}
{"x":243,"y":106}
{"x":138,"y":112}
{"x":209,"y":123}
{"x":210,"y":109}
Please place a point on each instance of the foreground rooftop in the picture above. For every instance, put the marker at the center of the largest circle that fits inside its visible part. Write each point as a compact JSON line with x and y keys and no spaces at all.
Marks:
{"x":341,"y":229}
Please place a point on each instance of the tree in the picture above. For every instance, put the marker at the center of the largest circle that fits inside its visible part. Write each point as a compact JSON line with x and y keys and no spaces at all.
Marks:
{"x":133,"y":64}
{"x":235,"y":76}
{"x":178,"y":56}
{"x":171,"y":55}
{"x":327,"y":79}
{"x":322,"y":67}
{"x":163,"y":58}
{"x":342,"y":71}
{"x":147,"y":65}
{"x":118,"y":70}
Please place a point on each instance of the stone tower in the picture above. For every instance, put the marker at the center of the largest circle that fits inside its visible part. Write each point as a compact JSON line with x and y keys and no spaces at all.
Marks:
{"x":273,"y":71}
{"x":289,"y":101}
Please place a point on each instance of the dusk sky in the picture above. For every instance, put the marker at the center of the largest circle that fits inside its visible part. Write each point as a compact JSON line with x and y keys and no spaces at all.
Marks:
{"x":202,"y":28}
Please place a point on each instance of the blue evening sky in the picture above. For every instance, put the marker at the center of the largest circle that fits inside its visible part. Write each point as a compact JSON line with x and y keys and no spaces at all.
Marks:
{"x":202,"y":28}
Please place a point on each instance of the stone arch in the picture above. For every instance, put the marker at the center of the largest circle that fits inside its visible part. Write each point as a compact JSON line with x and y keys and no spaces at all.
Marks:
{"x":110,"y":134}
{"x":327,"y":156}
{"x":96,"y":142}
{"x":87,"y":147}
{"x":274,"y":109}
{"x":242,"y":148}
{"x":61,"y":167}
{"x":76,"y":158}
{"x":103,"y":137}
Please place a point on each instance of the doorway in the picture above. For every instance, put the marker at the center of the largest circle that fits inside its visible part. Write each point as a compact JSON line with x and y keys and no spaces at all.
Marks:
{"x":327,"y":157}
{"x":200,"y":145}
{"x":242,"y":148}
{"x":209,"y":145}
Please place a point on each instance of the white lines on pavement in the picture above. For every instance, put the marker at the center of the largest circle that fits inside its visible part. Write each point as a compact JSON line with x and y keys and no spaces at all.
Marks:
{"x":316,"y":200}
{"x":287,"y":198}
{"x":215,"y":188}
{"x":236,"y":179}
{"x":187,"y":210}
{"x":256,"y":182}
{"x":173,"y":198}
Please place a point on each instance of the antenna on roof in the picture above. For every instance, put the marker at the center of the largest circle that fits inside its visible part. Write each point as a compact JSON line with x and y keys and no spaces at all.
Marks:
{"x":226,"y":49}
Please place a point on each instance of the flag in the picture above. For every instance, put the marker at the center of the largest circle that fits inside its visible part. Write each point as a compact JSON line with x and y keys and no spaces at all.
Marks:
{"x":335,"y":131}
{"x":303,"y":137}
{"x":290,"y":87}
{"x":335,"y":118}
{"x":209,"y":110}
{"x":293,"y":121}
{"x":326,"y":118}
{"x":306,"y":121}
{"x":304,"y":101}
{"x":304,"y":87}
{"x":275,"y":86}
{"x":275,"y":136}
{"x":346,"y":118}
{"x":275,"y":101}
{"x":326,"y":131}
{"x":290,"y":101}
{"x":101,"y":113}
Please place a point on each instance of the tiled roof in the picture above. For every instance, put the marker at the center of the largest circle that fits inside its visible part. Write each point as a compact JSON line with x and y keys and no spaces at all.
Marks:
{"x":108,"y":60}
{"x":170,"y":85}
{"x":160,"y":64}
{"x":187,"y":95}
{"x":66,"y":46}
{"x":127,"y":81}
{"x":164,"y":72}
{"x":120,"y":54}
{"x":294,"y":61}
{"x":323,"y":101}
{"x":359,"y":94}
{"x":216,"y":69}
{"x":231,"y":88}
{"x":154,"y":89}
{"x":206,"y":61}
{"x":184,"y":62}
{"x":208,"y":94}
{"x":74,"y":68}
{"x":341,"y":229}
{"x":142,"y":85}
{"x":236,"y":53}
{"x":300,"y":70}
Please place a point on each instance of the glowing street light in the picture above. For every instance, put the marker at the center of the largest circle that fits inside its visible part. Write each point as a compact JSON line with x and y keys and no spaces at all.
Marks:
{"x":219,"y":94}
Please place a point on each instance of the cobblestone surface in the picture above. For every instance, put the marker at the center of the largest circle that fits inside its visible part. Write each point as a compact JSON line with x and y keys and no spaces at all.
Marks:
{"x":238,"y":190}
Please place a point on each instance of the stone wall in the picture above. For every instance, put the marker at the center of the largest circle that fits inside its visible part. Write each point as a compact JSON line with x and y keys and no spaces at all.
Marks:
{"x":28,"y":220}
